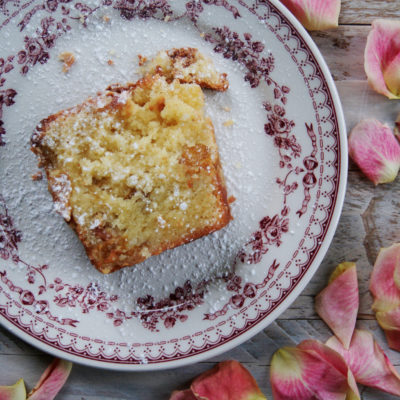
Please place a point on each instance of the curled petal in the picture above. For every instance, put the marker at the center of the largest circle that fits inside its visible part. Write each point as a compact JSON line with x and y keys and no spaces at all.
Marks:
{"x":309,"y":371}
{"x":391,"y":75}
{"x":368,"y":363}
{"x":397,"y":127}
{"x":338,"y":303}
{"x":375,"y":150}
{"x":182,"y":395}
{"x":51,"y":381}
{"x":315,"y":14}
{"x":390,"y":323}
{"x":383,"y":283}
{"x":14,"y":392}
{"x":228,"y":380}
{"x":382,"y":57}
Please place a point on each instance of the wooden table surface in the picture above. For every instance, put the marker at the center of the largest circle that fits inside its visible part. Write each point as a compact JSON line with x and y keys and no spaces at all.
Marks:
{"x":370,"y":220}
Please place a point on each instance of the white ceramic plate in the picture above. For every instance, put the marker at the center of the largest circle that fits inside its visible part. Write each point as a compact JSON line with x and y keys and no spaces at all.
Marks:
{"x":284,"y":158}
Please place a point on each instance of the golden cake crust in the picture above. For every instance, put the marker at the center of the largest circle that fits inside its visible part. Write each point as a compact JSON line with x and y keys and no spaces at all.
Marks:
{"x":189,"y":66}
{"x":110,"y":242}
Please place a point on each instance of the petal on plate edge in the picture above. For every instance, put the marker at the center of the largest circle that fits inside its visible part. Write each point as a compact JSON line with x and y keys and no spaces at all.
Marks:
{"x":311,"y":370}
{"x":315,"y":14}
{"x":51,"y":381}
{"x":383,"y":279}
{"x":381,"y":57}
{"x":375,"y":149}
{"x":338,"y":303}
{"x":368,"y":363}
{"x":14,"y":392}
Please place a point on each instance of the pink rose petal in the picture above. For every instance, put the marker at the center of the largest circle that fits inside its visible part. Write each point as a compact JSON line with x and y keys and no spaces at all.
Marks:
{"x":310,"y":371}
{"x":383,"y":284}
{"x":315,"y":14}
{"x":182,"y":395}
{"x":375,"y":150}
{"x":338,"y":303}
{"x":397,"y":127}
{"x":51,"y":381}
{"x":368,"y":363}
{"x":390,"y":323}
{"x":385,"y":287}
{"x":14,"y":392}
{"x":228,"y":380}
{"x":391,"y":75}
{"x":382,"y":57}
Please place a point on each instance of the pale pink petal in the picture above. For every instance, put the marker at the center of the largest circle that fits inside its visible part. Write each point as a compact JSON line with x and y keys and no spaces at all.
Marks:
{"x":336,"y":361}
{"x":397,"y":127}
{"x":228,"y":380}
{"x":338,"y":303}
{"x":14,"y":392}
{"x":392,"y":76}
{"x":182,"y":395}
{"x":368,"y":363}
{"x":390,"y":323}
{"x":375,"y":150}
{"x":315,"y":14}
{"x":51,"y":381}
{"x":310,"y":371}
{"x":383,"y":286}
{"x":381,"y":58}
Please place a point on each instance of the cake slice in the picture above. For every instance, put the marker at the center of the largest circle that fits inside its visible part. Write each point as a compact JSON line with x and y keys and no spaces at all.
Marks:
{"x":135,"y":171}
{"x":189,"y":66}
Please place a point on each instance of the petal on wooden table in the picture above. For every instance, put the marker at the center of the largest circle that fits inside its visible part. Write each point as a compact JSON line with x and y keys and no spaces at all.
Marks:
{"x":315,"y":14}
{"x":384,"y":284}
{"x":382,"y":57}
{"x":338,"y":303}
{"x":182,"y":395}
{"x":376,"y":151}
{"x":51,"y":381}
{"x":309,"y":371}
{"x":14,"y":392}
{"x":228,"y":380}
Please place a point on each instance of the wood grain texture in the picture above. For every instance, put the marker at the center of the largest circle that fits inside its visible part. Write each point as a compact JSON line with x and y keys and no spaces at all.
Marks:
{"x":362,"y":12}
{"x":370,"y":220}
{"x":341,"y":45}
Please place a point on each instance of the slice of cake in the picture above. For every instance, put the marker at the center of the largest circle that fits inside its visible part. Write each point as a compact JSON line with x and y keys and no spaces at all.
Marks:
{"x":189,"y":66}
{"x":135,"y":171}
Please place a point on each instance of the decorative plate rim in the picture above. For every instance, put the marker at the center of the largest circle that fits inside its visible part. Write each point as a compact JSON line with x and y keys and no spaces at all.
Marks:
{"x":294,"y":291}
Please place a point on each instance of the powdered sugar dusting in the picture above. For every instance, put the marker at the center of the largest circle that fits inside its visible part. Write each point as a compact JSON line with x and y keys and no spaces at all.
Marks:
{"x":241,"y":144}
{"x":61,"y":187}
{"x":280,"y":156}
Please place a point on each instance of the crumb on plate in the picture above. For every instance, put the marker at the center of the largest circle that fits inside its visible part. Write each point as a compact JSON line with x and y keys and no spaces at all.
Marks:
{"x":68,"y":59}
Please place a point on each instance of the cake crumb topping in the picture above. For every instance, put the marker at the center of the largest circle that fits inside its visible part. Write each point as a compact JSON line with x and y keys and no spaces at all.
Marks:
{"x":68,"y":59}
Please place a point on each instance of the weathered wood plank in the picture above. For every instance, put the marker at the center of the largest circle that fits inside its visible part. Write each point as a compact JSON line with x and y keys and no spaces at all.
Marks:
{"x":360,"y":101}
{"x":255,"y":354}
{"x":343,"y":50}
{"x":365,"y":11}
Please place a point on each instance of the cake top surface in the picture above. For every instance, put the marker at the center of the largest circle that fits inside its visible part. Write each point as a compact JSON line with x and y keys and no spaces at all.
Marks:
{"x":137,"y":161}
